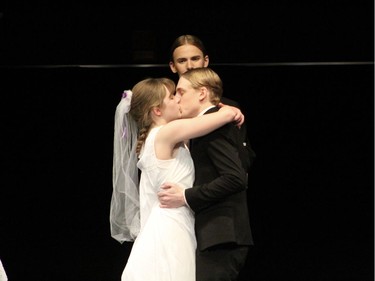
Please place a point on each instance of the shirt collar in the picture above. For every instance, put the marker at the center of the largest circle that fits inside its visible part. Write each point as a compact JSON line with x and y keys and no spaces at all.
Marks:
{"x":205,"y":110}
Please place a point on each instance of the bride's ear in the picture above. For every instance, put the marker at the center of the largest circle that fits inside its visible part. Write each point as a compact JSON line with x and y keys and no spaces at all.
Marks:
{"x":156,"y":110}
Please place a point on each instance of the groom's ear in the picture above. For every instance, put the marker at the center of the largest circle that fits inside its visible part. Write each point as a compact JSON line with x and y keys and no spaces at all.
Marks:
{"x":203,"y":93}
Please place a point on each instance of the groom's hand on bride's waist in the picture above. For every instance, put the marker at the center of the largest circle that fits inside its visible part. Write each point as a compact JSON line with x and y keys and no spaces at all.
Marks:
{"x":171,"y":196}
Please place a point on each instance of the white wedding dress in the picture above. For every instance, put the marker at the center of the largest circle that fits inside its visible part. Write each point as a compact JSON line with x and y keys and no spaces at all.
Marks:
{"x":3,"y":275}
{"x":165,"y":247}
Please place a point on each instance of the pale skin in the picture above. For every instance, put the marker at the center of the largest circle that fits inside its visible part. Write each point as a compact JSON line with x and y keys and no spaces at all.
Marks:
{"x":187,"y":57}
{"x":176,"y":130}
{"x":192,"y":102}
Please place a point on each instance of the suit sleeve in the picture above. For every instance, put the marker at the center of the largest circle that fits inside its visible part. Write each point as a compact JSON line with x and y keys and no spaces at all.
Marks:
{"x":219,"y":171}
{"x":247,"y":154}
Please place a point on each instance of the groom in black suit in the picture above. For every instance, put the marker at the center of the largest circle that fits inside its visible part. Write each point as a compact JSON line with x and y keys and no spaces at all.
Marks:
{"x":218,"y":197}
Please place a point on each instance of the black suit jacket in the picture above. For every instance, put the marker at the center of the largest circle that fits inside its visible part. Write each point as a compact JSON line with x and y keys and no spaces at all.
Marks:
{"x":218,"y":196}
{"x":247,"y":154}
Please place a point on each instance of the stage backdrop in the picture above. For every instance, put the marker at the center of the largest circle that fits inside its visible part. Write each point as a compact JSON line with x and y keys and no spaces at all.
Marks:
{"x":310,"y":192}
{"x":302,"y":72}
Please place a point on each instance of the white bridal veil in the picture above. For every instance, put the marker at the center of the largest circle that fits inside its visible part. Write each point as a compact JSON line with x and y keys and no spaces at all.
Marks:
{"x":124,"y":211}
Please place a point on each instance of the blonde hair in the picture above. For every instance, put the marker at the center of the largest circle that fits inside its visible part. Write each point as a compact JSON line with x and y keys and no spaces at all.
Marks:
{"x":206,"y":77}
{"x":148,"y":94}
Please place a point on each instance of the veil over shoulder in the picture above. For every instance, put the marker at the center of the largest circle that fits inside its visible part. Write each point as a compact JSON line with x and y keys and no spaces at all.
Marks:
{"x":124,"y":209}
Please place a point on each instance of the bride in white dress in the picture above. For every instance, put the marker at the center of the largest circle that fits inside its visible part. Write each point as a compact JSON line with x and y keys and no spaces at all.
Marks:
{"x":3,"y":275}
{"x":150,"y":135}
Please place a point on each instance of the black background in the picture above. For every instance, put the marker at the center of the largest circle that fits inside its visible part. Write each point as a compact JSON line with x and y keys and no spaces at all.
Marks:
{"x":72,"y":32}
{"x":310,"y":118}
